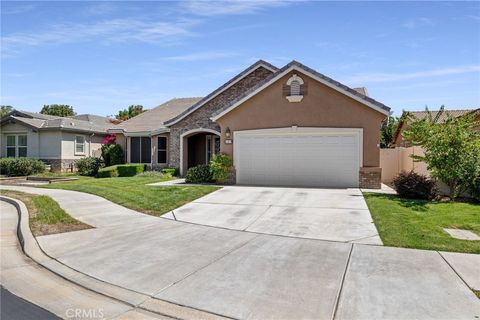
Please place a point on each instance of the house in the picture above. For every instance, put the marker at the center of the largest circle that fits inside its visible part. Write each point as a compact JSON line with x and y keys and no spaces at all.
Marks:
{"x":58,"y":141}
{"x":398,"y":140}
{"x":288,"y":127}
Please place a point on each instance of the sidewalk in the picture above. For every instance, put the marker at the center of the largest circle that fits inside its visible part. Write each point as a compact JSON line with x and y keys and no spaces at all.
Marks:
{"x":246,"y":275}
{"x":25,"y":278}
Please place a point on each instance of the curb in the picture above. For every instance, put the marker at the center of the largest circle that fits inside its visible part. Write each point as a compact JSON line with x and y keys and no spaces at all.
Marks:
{"x":32,"y":249}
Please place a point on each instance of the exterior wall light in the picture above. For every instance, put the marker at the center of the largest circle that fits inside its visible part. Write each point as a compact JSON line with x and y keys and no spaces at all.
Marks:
{"x":228,"y":134}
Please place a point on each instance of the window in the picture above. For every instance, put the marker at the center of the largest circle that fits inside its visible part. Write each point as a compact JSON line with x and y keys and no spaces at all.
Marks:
{"x":11,"y":146}
{"x":17,"y":146}
{"x":22,"y":146}
{"x":140,"y":148}
{"x":79,"y":145}
{"x":162,"y":150}
{"x":213,"y":146}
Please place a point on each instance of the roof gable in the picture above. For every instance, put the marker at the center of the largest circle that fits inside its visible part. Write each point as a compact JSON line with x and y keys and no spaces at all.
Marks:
{"x":219,"y":90}
{"x":296,"y":66}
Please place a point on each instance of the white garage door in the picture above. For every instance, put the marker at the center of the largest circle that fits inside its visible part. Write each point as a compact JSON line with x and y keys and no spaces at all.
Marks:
{"x":313,"y":157}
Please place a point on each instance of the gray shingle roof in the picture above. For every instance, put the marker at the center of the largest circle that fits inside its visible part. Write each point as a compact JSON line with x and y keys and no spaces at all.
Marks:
{"x":310,"y":70}
{"x":155,"y":118}
{"x":40,"y":121}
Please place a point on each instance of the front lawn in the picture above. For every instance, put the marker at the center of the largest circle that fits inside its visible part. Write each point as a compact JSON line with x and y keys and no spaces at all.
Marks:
{"x":419,"y":224}
{"x":132,"y":192}
{"x":45,"y":215}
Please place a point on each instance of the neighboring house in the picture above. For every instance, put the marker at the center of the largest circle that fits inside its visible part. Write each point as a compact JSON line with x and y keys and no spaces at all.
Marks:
{"x":291,"y":126}
{"x":58,"y":141}
{"x":398,"y":158}
{"x":398,"y":140}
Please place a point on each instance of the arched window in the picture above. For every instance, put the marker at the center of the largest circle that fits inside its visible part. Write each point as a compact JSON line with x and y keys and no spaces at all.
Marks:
{"x":295,"y":83}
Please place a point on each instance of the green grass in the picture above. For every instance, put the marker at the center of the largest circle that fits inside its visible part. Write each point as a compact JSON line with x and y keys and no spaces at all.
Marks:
{"x":45,"y":215}
{"x":132,"y":192}
{"x":419,"y":224}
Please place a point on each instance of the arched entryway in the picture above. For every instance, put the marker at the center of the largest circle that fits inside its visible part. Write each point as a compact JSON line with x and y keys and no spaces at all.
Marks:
{"x":197,"y":147}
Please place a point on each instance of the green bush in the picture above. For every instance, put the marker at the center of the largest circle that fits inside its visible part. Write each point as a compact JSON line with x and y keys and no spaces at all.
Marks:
{"x":21,"y":166}
{"x":88,"y":166}
{"x":130,"y":170}
{"x":121,"y":170}
{"x":108,"y":172}
{"x":220,"y":166}
{"x":151,"y":174}
{"x":171,"y":171}
{"x":199,"y":174}
{"x":112,"y":154}
{"x":412,"y":185}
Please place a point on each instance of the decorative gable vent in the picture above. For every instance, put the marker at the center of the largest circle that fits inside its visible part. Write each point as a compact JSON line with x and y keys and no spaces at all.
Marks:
{"x":294,"y":85}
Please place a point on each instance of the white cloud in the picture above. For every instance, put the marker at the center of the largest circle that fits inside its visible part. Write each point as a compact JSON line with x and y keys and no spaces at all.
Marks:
{"x":199,"y":56}
{"x":214,"y":8}
{"x":115,"y":30}
{"x":385,"y":77}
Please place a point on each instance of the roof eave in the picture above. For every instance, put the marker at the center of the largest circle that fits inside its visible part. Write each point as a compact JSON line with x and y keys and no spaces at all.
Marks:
{"x":254,"y":67}
{"x":308,"y":73}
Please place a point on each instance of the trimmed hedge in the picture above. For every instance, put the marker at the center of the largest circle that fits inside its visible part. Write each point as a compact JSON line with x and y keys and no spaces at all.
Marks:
{"x":108,"y":172}
{"x":171,"y":171}
{"x":21,"y":166}
{"x":121,"y":170}
{"x":199,"y":174}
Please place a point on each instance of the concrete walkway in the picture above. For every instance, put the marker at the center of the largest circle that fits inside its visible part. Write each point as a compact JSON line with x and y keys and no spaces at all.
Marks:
{"x":247,"y":275}
{"x":24,"y":278}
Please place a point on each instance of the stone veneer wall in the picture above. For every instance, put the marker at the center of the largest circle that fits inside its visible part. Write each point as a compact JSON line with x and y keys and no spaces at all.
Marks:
{"x":201,"y":117}
{"x":60,"y":165}
{"x":370,"y":177}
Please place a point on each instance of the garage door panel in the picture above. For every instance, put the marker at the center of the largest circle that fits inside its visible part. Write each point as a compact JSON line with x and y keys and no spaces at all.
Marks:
{"x":330,"y":160}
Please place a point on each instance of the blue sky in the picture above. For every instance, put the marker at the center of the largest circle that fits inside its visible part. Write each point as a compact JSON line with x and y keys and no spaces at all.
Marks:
{"x":103,"y":56}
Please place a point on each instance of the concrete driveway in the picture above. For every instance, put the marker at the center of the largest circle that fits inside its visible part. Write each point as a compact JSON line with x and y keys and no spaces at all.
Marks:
{"x":325,"y":214}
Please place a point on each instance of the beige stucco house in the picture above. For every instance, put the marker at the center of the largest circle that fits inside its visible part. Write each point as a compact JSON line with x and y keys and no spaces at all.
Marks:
{"x":58,"y":141}
{"x":289,"y":127}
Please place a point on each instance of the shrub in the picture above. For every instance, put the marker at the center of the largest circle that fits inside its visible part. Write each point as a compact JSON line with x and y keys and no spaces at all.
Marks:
{"x":21,"y":166}
{"x":220,"y":166}
{"x":130,"y":170}
{"x":415,"y":186}
{"x":151,"y":174}
{"x":108,"y":172}
{"x":88,"y":166}
{"x":112,"y":154}
{"x":199,"y":174}
{"x":121,"y":170}
{"x":171,"y":171}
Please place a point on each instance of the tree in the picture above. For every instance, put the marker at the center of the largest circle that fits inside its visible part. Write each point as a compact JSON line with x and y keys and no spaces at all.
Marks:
{"x":60,"y":110}
{"x":451,"y":149}
{"x":387,"y":131}
{"x":130,"y":112}
{"x":5,"y":110}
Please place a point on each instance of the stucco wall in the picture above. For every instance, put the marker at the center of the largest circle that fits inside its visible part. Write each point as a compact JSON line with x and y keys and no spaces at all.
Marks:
{"x":201,"y":117}
{"x":320,"y":107}
{"x":93,"y":144}
{"x":18,"y":129}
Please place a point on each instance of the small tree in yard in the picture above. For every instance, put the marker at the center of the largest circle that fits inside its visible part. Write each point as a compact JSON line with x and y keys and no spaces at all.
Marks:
{"x":452,"y":149}
{"x":112,"y":153}
{"x":387,"y":131}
